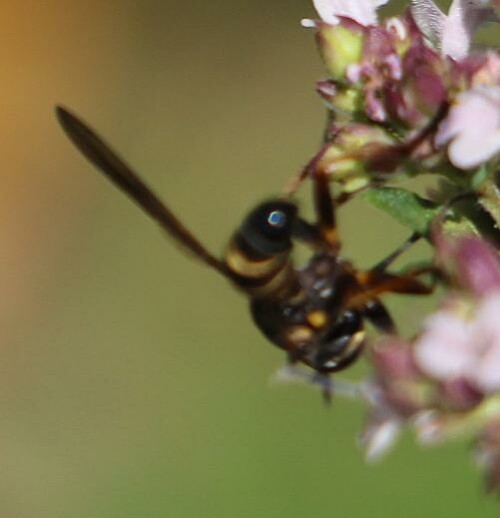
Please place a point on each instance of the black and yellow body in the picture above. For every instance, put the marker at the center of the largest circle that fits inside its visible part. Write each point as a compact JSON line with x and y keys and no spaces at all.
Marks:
{"x":302,"y":311}
{"x":315,"y":313}
{"x":315,"y":327}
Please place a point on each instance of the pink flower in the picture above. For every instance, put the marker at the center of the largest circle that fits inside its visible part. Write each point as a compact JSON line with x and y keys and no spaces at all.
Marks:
{"x":488,"y":74}
{"x":444,"y":349}
{"x":452,"y":348}
{"x":452,"y":34}
{"x":477,"y":265}
{"x":461,"y":342}
{"x":393,"y":396}
{"x":486,"y":330}
{"x":361,"y":11}
{"x":445,"y":382}
{"x":472,"y":127}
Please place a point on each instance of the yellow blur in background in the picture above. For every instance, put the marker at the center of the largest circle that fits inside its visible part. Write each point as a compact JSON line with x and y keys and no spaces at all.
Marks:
{"x":132,"y":380}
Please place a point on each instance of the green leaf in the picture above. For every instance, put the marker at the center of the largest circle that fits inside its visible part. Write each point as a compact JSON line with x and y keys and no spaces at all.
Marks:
{"x":479,"y":178}
{"x":490,"y":199}
{"x":405,"y":206}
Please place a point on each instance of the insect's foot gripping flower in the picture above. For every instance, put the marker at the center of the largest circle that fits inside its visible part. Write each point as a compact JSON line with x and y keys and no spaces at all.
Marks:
{"x":390,"y":84}
{"x":446,"y":381}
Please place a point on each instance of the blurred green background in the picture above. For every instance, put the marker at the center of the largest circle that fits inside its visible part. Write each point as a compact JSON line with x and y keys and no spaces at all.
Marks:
{"x":133,"y":382}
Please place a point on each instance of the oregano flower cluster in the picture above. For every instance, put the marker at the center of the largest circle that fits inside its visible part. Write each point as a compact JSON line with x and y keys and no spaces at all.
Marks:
{"x":409,"y":96}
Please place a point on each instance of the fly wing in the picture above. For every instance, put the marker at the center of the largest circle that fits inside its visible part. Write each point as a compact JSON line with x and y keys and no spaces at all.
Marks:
{"x":116,"y":170}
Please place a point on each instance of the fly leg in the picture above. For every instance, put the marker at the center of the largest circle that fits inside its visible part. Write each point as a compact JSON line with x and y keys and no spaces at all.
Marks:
{"x":378,"y":315}
{"x":323,"y":234}
{"x":382,"y":265}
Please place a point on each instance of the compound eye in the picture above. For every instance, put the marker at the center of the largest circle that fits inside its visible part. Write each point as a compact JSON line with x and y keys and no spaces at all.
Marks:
{"x":267,"y":230}
{"x":277,"y":219}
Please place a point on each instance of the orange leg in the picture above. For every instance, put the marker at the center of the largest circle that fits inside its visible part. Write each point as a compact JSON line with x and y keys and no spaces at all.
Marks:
{"x":374,"y":283}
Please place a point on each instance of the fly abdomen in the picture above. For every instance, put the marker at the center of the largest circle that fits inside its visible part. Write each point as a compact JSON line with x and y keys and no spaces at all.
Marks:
{"x":273,"y":278}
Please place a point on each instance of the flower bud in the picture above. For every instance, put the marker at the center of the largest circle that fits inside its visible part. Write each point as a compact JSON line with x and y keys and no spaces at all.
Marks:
{"x":340,"y":45}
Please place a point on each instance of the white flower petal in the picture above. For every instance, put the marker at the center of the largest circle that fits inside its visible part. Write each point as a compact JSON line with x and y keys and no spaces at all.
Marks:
{"x":485,"y":372}
{"x":443,"y":350}
{"x":362,"y":11}
{"x":469,"y":152}
{"x":474,"y":126}
{"x":307,"y":23}
{"x":452,"y":34}
{"x":464,"y":17}
{"x":379,"y":438}
{"x":486,"y":375}
{"x":463,"y":117}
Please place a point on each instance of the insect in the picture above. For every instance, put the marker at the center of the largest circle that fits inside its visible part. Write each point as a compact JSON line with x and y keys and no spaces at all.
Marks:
{"x":314,"y":313}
